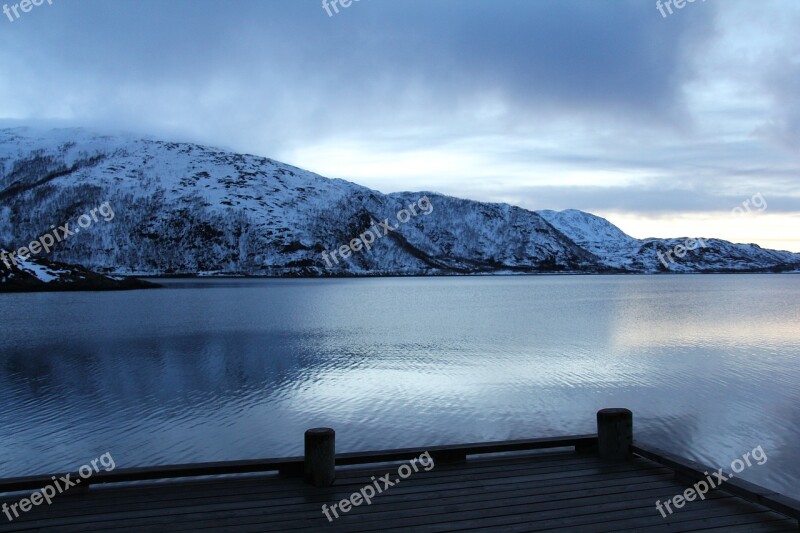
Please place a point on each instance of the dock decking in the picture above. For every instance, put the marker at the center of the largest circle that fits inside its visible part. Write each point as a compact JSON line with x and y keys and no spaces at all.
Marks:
{"x":541,"y":486}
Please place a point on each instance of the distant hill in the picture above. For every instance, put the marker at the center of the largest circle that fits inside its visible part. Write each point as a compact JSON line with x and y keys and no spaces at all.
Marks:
{"x":618,"y":250}
{"x":35,"y":275}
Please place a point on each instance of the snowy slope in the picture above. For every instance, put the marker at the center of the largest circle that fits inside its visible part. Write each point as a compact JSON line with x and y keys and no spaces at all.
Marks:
{"x":190,"y":209}
{"x":618,"y":250}
{"x":26,"y":275}
{"x":597,"y":235}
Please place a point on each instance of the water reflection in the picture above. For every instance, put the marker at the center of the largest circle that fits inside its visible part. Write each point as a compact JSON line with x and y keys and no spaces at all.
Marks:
{"x":233,"y":369}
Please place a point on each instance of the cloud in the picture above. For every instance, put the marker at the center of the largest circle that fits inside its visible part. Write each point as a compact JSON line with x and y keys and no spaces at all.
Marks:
{"x":285,"y":70}
{"x":651,"y":201}
{"x":552,"y":103}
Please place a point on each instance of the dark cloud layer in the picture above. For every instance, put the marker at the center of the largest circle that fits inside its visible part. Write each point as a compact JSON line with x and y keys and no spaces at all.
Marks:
{"x":704,"y":101}
{"x":374,"y":62}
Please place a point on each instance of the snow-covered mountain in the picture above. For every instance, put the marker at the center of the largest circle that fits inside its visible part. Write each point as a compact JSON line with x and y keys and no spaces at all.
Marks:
{"x":618,"y":250}
{"x":183,"y":208}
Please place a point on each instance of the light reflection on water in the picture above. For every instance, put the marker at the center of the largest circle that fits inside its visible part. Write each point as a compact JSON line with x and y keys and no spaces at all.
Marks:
{"x":234,"y":369}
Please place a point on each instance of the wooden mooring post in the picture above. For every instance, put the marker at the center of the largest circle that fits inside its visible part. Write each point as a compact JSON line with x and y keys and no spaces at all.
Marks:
{"x":614,"y":434}
{"x":319,"y":461}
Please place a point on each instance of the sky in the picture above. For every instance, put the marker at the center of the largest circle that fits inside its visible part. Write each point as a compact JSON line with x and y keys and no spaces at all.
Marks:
{"x":672,"y":125}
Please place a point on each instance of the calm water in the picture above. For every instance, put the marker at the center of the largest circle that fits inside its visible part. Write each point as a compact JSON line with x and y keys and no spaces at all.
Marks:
{"x":238,"y":369}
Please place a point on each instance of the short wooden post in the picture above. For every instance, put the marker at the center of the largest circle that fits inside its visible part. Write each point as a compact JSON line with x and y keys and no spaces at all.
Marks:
{"x":614,"y":434}
{"x":319,"y":466}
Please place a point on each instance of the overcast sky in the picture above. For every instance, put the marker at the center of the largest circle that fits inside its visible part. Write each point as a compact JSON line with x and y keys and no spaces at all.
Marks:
{"x":663,"y":125}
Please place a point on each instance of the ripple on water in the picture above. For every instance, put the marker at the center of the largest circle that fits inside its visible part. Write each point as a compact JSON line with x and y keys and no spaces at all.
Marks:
{"x":240,"y":371}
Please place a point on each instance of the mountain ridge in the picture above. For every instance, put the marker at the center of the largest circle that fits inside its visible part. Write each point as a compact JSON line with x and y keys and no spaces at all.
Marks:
{"x":184,"y":208}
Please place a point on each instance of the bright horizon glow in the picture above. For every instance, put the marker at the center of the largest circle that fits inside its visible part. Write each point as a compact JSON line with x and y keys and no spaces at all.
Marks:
{"x":738,"y":228}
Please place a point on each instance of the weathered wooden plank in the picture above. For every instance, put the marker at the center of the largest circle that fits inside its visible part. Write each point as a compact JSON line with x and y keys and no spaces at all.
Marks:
{"x":529,"y":492}
{"x":724,"y":506}
{"x":384,"y":509}
{"x":648,"y":522}
{"x":422,"y":480}
{"x":229,"y":524}
{"x":156,"y":472}
{"x":413,"y":492}
{"x":751,"y":520}
{"x":295,"y":464}
{"x":750,"y":491}
{"x":192,"y":518}
{"x":257,"y":484}
{"x":477,"y":448}
{"x":765,"y":526}
{"x":575,"y":519}
{"x":565,"y":460}
{"x":499,"y":517}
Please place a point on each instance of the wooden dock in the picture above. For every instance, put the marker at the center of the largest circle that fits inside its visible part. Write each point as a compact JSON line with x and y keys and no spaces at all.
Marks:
{"x":588,"y":483}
